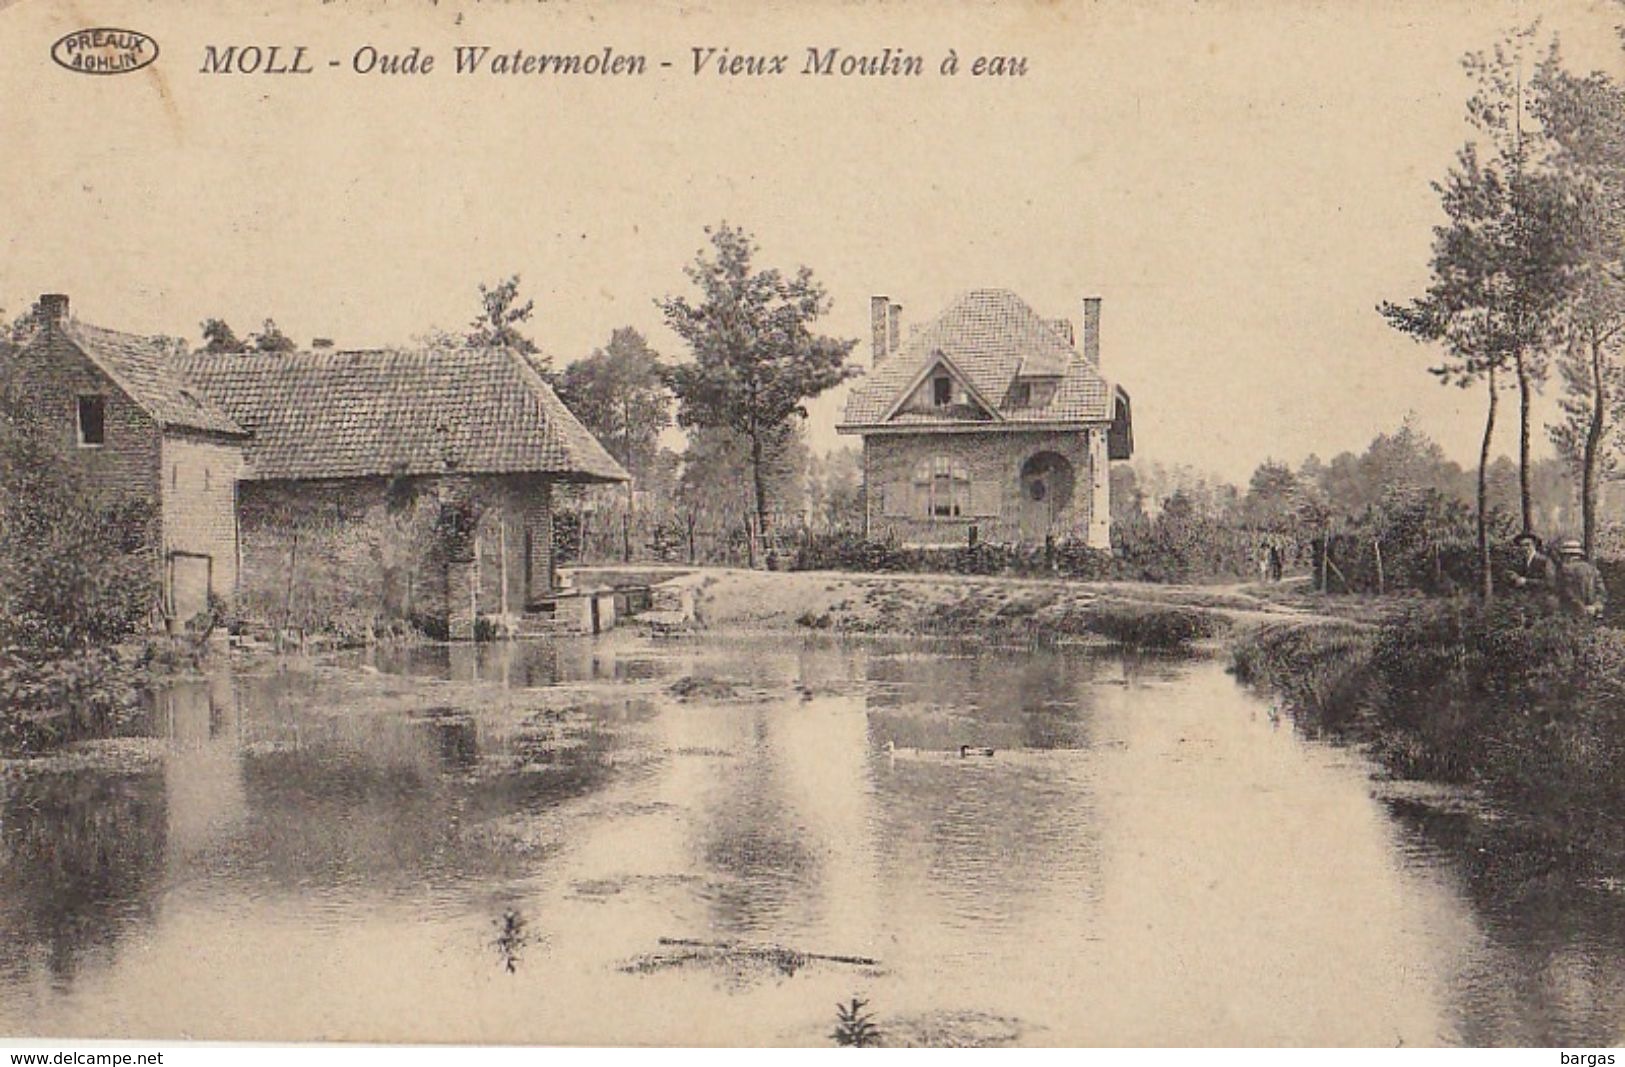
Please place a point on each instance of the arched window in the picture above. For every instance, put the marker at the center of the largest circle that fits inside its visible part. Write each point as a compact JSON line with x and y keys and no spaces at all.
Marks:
{"x":942,"y":487}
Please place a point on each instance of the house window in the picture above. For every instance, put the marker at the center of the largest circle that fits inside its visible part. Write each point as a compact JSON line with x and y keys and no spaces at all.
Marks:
{"x":92,"y":421}
{"x":1021,"y":394}
{"x":942,"y":391}
{"x":942,"y":488}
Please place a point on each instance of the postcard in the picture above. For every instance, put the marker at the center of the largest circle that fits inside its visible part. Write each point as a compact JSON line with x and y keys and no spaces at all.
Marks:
{"x":833,"y":523}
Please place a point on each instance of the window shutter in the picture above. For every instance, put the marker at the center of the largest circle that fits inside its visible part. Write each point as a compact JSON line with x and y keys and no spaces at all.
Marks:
{"x":986,"y":499}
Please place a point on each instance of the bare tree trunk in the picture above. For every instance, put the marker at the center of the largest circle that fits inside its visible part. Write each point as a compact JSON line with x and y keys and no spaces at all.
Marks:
{"x":1593,"y":448}
{"x":1486,"y":580}
{"x":760,"y":488}
{"x":1525,"y":398}
{"x":1326,"y":559}
{"x":626,"y":449}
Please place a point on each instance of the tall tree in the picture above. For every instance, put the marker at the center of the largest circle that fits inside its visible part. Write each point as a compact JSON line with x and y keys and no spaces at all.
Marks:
{"x":272,"y":339}
{"x":1526,"y":197}
{"x":501,"y":320}
{"x":1464,"y":308}
{"x":843,"y":491}
{"x":756,"y":357}
{"x":219,"y":337}
{"x":619,"y":392}
{"x":1496,"y":284}
{"x":1271,"y":497}
{"x":1584,"y":118}
{"x":716,"y":488}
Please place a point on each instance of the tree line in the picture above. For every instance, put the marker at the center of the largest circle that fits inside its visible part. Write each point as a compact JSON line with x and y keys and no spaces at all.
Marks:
{"x":755,"y":359}
{"x":1528,"y":268}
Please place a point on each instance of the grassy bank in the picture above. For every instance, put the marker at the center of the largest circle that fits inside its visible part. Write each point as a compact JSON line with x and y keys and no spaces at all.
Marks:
{"x":1528,"y":708}
{"x":995,"y":609}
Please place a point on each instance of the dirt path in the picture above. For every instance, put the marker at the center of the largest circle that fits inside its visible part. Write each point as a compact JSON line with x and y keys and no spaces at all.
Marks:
{"x":734,"y":598}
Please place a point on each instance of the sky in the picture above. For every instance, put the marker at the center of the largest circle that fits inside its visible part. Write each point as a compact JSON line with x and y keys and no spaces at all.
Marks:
{"x":1241,"y":183}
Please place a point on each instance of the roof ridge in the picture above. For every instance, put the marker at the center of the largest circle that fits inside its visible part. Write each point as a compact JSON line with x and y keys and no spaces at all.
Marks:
{"x":351,"y":413}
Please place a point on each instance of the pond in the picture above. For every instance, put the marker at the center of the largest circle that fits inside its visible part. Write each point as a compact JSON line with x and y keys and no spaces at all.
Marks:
{"x":717,"y":840}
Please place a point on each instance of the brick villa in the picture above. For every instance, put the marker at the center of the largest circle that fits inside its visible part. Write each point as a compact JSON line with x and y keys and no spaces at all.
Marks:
{"x":418,"y":483}
{"x":988,"y":423}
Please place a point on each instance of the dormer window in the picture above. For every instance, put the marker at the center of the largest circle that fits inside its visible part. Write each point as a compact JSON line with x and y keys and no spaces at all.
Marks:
{"x":1021,"y":394}
{"x":92,"y":422}
{"x":942,"y":390}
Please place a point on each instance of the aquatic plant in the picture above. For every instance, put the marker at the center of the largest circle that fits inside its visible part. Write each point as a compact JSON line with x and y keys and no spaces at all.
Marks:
{"x":855,"y":1027}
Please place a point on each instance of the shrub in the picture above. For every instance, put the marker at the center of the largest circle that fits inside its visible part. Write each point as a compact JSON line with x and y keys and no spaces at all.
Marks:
{"x":1320,"y":670}
{"x":49,"y":701}
{"x":1527,"y":705}
{"x":1149,"y":626}
{"x":1183,"y":545}
{"x":1070,"y":558}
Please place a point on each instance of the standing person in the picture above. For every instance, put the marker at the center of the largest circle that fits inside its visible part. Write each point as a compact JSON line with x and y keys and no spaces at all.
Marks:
{"x":1580,"y":587}
{"x":1536,"y":572}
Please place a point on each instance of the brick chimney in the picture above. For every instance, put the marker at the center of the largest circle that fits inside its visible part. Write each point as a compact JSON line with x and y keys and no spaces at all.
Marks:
{"x":879,"y":328}
{"x":53,"y":308}
{"x":1091,"y":329}
{"x":894,"y":326}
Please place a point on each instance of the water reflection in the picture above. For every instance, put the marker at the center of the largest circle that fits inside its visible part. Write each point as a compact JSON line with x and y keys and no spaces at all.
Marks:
{"x":1549,"y":939}
{"x":82,"y":865}
{"x":1144,"y":858}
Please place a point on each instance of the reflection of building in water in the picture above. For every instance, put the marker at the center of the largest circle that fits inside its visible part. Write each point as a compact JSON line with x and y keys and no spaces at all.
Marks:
{"x":824,"y":769}
{"x":984,"y":852}
{"x":202,"y":771}
{"x":528,"y":664}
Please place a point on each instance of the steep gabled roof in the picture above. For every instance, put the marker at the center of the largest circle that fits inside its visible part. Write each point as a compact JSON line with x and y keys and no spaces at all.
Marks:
{"x":140,"y":367}
{"x":991,"y":336}
{"x":939,"y":359}
{"x":356,"y":414}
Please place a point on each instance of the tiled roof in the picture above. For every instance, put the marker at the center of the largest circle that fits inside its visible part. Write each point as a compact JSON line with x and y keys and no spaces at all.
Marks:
{"x":354,"y":414}
{"x":990,"y":335}
{"x":142,"y":369}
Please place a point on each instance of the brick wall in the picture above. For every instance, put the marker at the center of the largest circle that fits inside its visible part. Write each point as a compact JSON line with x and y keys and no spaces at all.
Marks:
{"x":199,"y":478}
{"x":50,"y":375}
{"x":369,"y":551}
{"x":997,"y":505}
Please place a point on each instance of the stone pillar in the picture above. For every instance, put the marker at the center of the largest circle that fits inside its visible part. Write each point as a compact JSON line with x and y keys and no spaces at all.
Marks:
{"x":462,"y":585}
{"x":1100,"y":500}
{"x":538,"y":551}
{"x":460,"y":527}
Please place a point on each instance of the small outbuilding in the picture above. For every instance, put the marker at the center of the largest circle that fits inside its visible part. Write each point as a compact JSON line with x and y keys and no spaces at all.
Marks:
{"x":358,"y":485}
